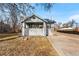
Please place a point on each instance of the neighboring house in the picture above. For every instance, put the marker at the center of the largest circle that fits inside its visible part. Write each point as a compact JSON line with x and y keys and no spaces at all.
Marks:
{"x":35,"y":26}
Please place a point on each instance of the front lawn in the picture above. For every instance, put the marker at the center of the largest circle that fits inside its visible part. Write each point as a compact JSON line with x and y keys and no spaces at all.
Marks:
{"x":35,"y":46}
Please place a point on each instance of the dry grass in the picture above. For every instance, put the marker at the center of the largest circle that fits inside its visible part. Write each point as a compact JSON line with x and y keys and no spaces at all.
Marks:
{"x":38,"y":46}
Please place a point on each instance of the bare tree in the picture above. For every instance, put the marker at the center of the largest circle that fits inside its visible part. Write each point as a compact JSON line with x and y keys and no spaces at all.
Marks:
{"x":14,"y":11}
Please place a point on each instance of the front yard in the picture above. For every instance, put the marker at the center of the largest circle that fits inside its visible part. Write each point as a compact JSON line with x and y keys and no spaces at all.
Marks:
{"x":37,"y":46}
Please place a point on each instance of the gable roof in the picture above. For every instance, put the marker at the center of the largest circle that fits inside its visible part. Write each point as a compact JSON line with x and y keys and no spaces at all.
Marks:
{"x":31,"y":17}
{"x":45,"y":20}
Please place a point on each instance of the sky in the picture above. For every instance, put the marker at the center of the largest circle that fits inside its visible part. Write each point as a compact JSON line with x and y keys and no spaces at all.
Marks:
{"x":61,"y":12}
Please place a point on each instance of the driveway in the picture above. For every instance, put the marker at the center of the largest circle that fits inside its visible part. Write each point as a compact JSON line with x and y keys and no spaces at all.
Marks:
{"x":65,"y":44}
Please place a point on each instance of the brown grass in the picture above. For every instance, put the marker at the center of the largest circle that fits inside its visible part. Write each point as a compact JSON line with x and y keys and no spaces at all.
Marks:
{"x":38,"y":46}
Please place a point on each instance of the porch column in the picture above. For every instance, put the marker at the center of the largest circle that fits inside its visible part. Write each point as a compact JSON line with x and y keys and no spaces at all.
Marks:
{"x":45,"y":27}
{"x":26,"y":30}
{"x":23,"y":29}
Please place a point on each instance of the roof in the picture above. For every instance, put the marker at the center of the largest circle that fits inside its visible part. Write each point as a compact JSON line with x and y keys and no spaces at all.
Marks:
{"x":45,"y":20}
{"x":50,"y":21}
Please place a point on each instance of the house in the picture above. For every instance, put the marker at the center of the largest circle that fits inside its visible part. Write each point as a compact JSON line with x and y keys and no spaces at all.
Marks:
{"x":50,"y":23}
{"x":35,"y":26}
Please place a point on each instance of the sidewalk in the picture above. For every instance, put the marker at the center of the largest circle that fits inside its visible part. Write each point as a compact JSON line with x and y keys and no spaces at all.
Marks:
{"x":8,"y":38}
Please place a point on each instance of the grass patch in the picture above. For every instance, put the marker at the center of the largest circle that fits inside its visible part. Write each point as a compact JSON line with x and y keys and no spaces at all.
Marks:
{"x":37,"y":46}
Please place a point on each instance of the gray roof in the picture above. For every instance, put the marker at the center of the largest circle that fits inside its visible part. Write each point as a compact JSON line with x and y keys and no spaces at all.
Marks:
{"x":45,"y":20}
{"x":50,"y":21}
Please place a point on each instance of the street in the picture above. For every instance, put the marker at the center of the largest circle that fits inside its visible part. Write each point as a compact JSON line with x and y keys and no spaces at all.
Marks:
{"x":67,"y":44}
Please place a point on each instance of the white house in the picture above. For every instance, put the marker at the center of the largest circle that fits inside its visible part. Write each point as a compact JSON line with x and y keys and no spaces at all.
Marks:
{"x":35,"y":26}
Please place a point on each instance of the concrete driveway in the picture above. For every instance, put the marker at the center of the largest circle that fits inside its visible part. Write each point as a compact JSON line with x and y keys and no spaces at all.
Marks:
{"x":65,"y":44}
